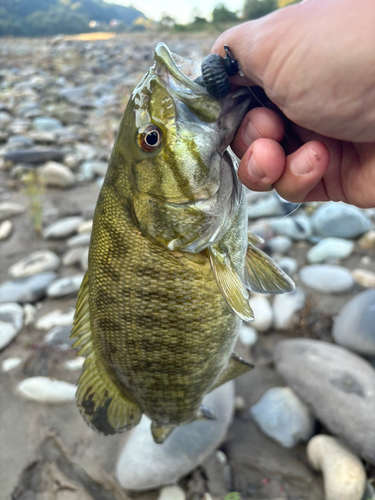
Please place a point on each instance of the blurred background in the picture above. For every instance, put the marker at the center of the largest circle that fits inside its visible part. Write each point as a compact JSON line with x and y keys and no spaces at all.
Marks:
{"x":67,"y":69}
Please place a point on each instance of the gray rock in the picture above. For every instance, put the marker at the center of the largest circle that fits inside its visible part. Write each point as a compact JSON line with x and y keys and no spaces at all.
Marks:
{"x":58,"y":337}
{"x":36,"y":263}
{"x":279,"y":244}
{"x":144,"y":464}
{"x":11,"y":321}
{"x":62,"y":228}
{"x":326,"y":278}
{"x":56,"y":175}
{"x":340,"y":220}
{"x":282,"y":415}
{"x":34,"y":156}
{"x":330,"y":249}
{"x":74,"y":94}
{"x":265,"y":207}
{"x":65,"y":287}
{"x":73,"y":256}
{"x":337,"y":385}
{"x":297,"y":227}
{"x":285,"y":307}
{"x":46,"y":124}
{"x":55,"y":318}
{"x":287,"y":264}
{"x":9,"y":209}
{"x":91,"y":168}
{"x":26,"y":289}
{"x":79,"y":240}
{"x":354,"y":325}
{"x":5,"y":118}
{"x":6,"y":228}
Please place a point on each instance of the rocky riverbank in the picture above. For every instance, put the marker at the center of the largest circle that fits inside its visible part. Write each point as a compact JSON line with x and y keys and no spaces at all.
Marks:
{"x":61,"y":101}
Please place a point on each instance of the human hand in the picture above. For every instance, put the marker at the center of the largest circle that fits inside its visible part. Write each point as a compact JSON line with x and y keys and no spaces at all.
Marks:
{"x":316,"y":62}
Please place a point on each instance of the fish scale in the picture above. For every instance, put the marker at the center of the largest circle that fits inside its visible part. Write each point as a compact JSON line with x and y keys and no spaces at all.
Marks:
{"x":170,"y":265}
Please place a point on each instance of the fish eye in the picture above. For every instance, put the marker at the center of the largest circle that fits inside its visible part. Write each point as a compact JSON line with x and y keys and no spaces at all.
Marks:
{"x":149,"y":137}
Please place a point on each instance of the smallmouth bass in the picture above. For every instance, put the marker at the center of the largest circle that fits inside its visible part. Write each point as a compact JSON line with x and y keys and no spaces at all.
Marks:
{"x":170,"y":262}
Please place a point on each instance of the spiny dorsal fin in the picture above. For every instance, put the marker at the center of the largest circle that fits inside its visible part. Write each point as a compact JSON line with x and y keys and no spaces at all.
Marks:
{"x":236,"y":366}
{"x":263,"y":275}
{"x":160,"y":433}
{"x":230,"y":285}
{"x":102,"y":404}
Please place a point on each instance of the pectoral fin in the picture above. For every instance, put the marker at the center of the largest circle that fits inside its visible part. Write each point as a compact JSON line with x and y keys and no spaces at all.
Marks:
{"x":263,"y":275}
{"x":230,"y":285}
{"x":236,"y":366}
{"x":102,"y":404}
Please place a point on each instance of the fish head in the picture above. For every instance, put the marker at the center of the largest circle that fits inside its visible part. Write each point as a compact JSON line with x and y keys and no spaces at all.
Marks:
{"x":172,"y":138}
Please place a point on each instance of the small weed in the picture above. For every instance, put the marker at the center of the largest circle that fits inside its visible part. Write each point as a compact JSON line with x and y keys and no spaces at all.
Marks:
{"x":34,"y":190}
{"x":233,"y":496}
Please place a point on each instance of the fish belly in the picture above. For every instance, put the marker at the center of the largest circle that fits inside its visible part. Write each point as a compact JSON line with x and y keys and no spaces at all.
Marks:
{"x":160,"y":325}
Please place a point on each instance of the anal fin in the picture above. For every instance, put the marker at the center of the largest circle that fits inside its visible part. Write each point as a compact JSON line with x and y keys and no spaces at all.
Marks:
{"x":160,"y":433}
{"x":103,"y":405}
{"x":236,"y":366}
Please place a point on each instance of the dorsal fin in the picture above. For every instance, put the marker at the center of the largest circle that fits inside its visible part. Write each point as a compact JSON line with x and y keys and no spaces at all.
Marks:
{"x":236,"y":366}
{"x":230,"y":285}
{"x":263,"y":275}
{"x":103,"y":405}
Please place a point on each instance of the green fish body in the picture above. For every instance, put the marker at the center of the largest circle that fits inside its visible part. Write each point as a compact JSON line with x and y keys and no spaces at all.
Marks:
{"x":170,"y":263}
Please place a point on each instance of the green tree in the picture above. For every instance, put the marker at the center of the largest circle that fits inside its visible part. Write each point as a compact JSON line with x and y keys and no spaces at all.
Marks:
{"x":221,"y":14}
{"x":257,"y":8}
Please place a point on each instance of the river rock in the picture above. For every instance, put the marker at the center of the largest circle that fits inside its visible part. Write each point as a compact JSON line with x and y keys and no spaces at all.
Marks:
{"x":265,"y":207}
{"x":6,"y":228}
{"x":367,"y":241}
{"x":47,"y":124}
{"x":91,"y":168}
{"x":262,"y":312}
{"x":354,"y":325}
{"x":174,"y":492}
{"x":285,"y":307}
{"x":288,"y":265}
{"x":143,"y":464}
{"x":79,"y":240}
{"x":11,"y":321}
{"x":85,"y":260}
{"x":283,"y":416}
{"x":297,"y":227}
{"x":279,"y":244}
{"x":46,"y":390}
{"x":9,"y":209}
{"x":74,"y":364}
{"x":326,"y":278}
{"x":343,"y":472}
{"x":248,"y":335}
{"x":34,"y":156}
{"x":330,"y":249}
{"x":85,"y":227}
{"x":364,"y":277}
{"x":56,"y":175}
{"x":55,"y":318}
{"x":340,"y":220}
{"x":338,"y":386}
{"x":36,"y":263}
{"x":25,"y":290}
{"x":62,"y":228}
{"x":58,"y":337}
{"x":10,"y":364}
{"x":73,"y":256}
{"x":65,"y":287}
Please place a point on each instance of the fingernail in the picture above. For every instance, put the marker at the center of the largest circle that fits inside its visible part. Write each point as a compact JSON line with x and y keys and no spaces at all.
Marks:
{"x":253,"y":169}
{"x":301,"y":164}
{"x":251,"y":134}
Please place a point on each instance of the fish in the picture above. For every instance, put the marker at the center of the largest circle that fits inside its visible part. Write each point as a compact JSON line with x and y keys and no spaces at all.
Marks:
{"x":171,"y":264}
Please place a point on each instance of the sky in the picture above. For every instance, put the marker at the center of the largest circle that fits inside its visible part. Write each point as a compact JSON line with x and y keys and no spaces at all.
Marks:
{"x":182,"y":11}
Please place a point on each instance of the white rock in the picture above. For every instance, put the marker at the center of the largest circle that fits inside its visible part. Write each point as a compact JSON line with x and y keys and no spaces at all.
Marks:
{"x":62,"y":228}
{"x":74,"y":364}
{"x":279,"y":244}
{"x":73,"y":256}
{"x":5,"y":229}
{"x":11,"y":321}
{"x":57,"y":175}
{"x":285,"y":307}
{"x":287,"y":264}
{"x":9,"y":209}
{"x":10,"y":364}
{"x":143,"y":464}
{"x":85,"y":260}
{"x":29,"y":313}
{"x":64,"y":287}
{"x":330,"y":249}
{"x":79,"y":240}
{"x":248,"y":335}
{"x":327,"y":278}
{"x":46,"y":390}
{"x":55,"y":318}
{"x":344,"y":474}
{"x":85,"y":227}
{"x":38,"y":262}
{"x":270,"y":205}
{"x":262,"y":312}
{"x":364,"y":277}
{"x":174,"y":492}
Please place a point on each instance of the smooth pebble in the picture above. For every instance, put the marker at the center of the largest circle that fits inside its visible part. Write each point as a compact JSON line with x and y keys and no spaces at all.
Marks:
{"x":9,"y":209}
{"x":364,"y":277}
{"x":10,"y":364}
{"x":174,"y":492}
{"x":56,"y":175}
{"x":35,"y":263}
{"x":65,"y":287}
{"x":6,"y":228}
{"x":330,"y":249}
{"x":11,"y":321}
{"x":25,"y":290}
{"x":46,"y":390}
{"x":262,"y":312}
{"x":286,"y":306}
{"x":248,"y":335}
{"x":327,"y":278}
{"x":62,"y":228}
{"x":339,"y":220}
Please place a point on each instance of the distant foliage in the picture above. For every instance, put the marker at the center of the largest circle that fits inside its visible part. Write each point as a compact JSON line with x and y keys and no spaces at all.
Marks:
{"x":221,"y":14}
{"x":257,"y":8}
{"x":53,"y":17}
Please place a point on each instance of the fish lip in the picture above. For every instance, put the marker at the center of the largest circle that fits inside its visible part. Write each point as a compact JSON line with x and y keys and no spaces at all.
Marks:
{"x":165,"y":58}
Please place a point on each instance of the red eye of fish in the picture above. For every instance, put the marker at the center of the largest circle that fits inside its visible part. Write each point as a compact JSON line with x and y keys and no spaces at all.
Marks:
{"x":149,"y":137}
